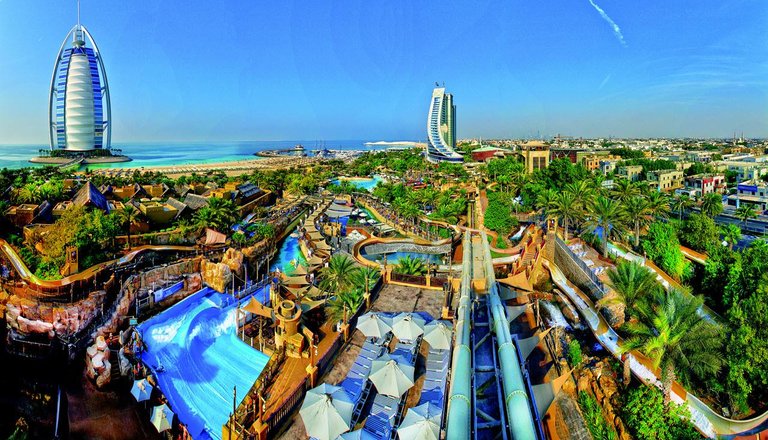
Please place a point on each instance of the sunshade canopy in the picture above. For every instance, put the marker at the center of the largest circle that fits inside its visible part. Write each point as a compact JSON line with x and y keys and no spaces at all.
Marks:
{"x":373,"y":325}
{"x":421,"y":423}
{"x":391,"y":375}
{"x":326,"y":412}
{"x":438,"y":334}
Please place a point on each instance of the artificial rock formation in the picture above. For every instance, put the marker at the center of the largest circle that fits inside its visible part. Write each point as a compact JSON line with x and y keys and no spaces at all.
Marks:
{"x":218,"y":276}
{"x":97,"y":365}
{"x":234,"y":259}
{"x":600,"y":381}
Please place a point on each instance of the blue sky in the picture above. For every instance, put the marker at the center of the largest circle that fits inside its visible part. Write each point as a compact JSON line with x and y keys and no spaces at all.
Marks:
{"x":248,"y":70}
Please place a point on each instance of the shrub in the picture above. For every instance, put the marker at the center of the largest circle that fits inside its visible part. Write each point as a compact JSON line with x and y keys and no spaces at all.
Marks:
{"x":593,"y":416}
{"x":575,"y":356}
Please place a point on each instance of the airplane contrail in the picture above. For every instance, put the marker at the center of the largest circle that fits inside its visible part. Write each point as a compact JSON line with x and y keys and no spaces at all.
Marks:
{"x":616,"y":28}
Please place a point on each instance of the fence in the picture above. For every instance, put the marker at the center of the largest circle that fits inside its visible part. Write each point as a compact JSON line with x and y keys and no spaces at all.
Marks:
{"x":589,"y":279}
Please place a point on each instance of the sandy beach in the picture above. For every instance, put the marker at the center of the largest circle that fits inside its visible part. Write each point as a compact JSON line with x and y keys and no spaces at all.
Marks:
{"x":233,"y":168}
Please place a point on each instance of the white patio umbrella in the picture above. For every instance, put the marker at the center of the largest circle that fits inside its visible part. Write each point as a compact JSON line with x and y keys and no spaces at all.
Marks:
{"x":421,"y":423}
{"x":141,"y":390}
{"x":162,"y":418}
{"x":391,"y":375}
{"x":374,"y":325}
{"x":407,"y":326}
{"x":439,"y":334}
{"x":326,"y":412}
{"x":355,"y":435}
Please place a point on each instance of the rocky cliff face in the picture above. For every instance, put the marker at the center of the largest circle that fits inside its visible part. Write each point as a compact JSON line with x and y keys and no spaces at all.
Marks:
{"x":234,"y":259}
{"x":28,"y":317}
{"x":218,"y":276}
{"x":601,"y":381}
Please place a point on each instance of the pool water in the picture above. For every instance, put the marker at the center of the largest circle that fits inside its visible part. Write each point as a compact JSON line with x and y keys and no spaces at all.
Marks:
{"x":366,"y":184}
{"x":394,"y":257}
{"x":289,"y":251}
{"x":195,"y":353}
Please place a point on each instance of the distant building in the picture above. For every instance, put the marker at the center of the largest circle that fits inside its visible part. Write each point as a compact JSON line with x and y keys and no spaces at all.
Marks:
{"x":158,"y":212}
{"x":90,"y":197}
{"x":751,"y":192}
{"x":665,"y":180}
{"x":79,"y":101}
{"x":535,"y":155}
{"x":487,"y":152}
{"x":22,"y":215}
{"x":571,"y":154}
{"x":441,"y":128}
{"x":703,"y":184}
{"x":630,"y":172}
{"x":747,"y":170}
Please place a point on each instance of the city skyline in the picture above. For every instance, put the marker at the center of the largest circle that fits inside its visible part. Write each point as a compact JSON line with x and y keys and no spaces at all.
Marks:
{"x":592,"y":69}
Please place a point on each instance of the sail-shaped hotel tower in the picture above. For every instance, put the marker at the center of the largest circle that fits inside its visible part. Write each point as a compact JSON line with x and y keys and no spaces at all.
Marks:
{"x":441,"y":128}
{"x":79,"y":105}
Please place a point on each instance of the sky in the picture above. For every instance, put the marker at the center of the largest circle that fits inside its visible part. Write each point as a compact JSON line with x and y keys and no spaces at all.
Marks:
{"x":183,"y":70}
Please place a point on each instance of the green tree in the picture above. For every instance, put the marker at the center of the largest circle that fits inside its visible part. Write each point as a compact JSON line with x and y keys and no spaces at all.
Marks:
{"x":411,"y":266}
{"x":672,"y":334}
{"x":607,"y":215}
{"x":498,"y":215}
{"x":745,"y":212}
{"x":566,"y":207}
{"x":344,"y":304}
{"x":218,"y":214}
{"x":338,"y":277}
{"x":639,"y":211}
{"x":680,"y":204}
{"x":624,"y":190}
{"x":365,"y":278}
{"x":575,"y":356}
{"x":630,"y":282}
{"x":700,"y":233}
{"x":645,"y":415}
{"x":662,"y":246}
{"x":712,"y":204}
{"x":731,"y":234}
{"x":128,"y":217}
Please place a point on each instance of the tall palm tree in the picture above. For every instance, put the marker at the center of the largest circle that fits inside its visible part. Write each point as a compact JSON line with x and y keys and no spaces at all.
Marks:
{"x":337,"y":277}
{"x":218,"y":214}
{"x":712,"y":204}
{"x":608,"y":215}
{"x":544,"y":202}
{"x":566,"y":207}
{"x":582,"y":190}
{"x":674,"y":337}
{"x":365,"y":278}
{"x":680,"y":204}
{"x":658,"y":204}
{"x":731,"y":234}
{"x":345,"y":304}
{"x":128,"y":216}
{"x":639,"y":210}
{"x":630,"y":282}
{"x":624,"y":189}
{"x":745,"y":212}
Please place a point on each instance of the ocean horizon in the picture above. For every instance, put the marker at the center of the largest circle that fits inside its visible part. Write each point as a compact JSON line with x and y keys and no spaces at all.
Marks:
{"x":151,"y":154}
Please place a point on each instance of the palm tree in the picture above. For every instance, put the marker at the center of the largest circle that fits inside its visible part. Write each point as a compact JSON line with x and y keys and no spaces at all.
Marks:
{"x":364,"y":279}
{"x":345,"y":304}
{"x":582,"y":190}
{"x":544,"y":202}
{"x":674,"y":337}
{"x":639,"y":210}
{"x":625,"y":189}
{"x":565,"y":206}
{"x":712,"y":204}
{"x":731,"y":234}
{"x":218,"y":214}
{"x":658,"y":204}
{"x":745,"y":212}
{"x":630,"y":282}
{"x":409,"y":265}
{"x":128,"y":216}
{"x":681,"y":203}
{"x":606,"y":214}
{"x":337,"y":277}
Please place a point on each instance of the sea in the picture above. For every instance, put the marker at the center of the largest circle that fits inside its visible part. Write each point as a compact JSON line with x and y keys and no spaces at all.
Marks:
{"x":146,"y":154}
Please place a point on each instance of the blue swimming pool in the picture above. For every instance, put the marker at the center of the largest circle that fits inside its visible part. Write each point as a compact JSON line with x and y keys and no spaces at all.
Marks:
{"x":367,"y":184}
{"x":197,"y":358}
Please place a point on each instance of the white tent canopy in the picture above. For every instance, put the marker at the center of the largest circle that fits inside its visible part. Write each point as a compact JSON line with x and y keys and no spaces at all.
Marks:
{"x":326,"y":412}
{"x":391,"y":375}
{"x":373,"y":325}
{"x":162,"y":418}
{"x":439,"y":334}
{"x":408,"y":326}
{"x":421,"y":423}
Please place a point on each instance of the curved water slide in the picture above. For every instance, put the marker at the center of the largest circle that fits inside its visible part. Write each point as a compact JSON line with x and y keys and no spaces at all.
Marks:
{"x":30,"y":278}
{"x":709,"y":422}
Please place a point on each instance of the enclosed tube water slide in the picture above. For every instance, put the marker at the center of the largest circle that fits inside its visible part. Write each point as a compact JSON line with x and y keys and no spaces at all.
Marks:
{"x":460,"y":398}
{"x":519,"y":414}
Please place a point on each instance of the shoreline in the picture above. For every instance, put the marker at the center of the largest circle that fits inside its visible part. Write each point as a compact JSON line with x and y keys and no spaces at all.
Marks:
{"x":47,"y":160}
{"x":230,"y":168}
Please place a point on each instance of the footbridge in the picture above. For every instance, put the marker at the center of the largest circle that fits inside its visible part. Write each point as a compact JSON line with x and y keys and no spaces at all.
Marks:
{"x":491,"y":395}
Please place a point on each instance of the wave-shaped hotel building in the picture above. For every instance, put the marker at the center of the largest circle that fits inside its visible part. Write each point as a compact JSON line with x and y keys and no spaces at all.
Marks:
{"x":441,"y":128}
{"x":79,"y":103}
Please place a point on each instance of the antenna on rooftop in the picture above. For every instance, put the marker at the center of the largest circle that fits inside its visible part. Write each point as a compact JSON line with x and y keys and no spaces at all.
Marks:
{"x":78,"y":13}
